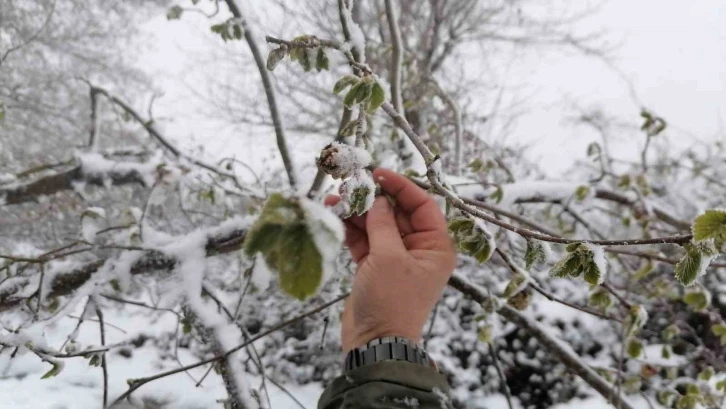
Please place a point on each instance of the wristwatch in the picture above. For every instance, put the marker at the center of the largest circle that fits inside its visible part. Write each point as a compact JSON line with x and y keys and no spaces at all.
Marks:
{"x":386,"y":348}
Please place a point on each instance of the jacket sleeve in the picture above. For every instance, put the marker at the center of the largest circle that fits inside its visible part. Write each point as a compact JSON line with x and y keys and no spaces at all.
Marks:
{"x":388,"y":385}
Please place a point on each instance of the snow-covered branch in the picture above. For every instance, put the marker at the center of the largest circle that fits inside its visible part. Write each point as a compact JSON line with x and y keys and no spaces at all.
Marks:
{"x":95,"y":170}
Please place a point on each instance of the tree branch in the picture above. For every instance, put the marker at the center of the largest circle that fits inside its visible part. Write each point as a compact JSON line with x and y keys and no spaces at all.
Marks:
{"x":64,"y":180}
{"x":457,"y":202}
{"x":563,"y":352}
{"x":396,"y":57}
{"x":269,"y":93}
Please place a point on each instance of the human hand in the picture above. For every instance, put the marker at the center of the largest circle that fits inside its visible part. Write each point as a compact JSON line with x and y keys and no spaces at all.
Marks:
{"x":404,"y":256}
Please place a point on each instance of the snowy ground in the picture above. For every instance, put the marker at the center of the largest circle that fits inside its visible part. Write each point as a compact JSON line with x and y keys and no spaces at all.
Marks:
{"x":79,"y":386}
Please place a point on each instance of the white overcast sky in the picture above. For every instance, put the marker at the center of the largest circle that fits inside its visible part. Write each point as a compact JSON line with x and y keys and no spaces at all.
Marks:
{"x":672,"y":52}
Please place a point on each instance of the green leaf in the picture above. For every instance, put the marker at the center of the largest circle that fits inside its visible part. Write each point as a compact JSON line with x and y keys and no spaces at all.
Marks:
{"x":305,"y":61}
{"x":699,"y":300}
{"x":692,"y":389}
{"x":535,"y":254}
{"x":366,"y":91}
{"x":691,"y":266}
{"x":634,"y":348}
{"x":285,"y":238}
{"x":624,"y":181}
{"x":572,"y":247}
{"x":275,"y":57}
{"x":601,"y":299}
{"x":359,"y":200}
{"x":2,"y":111}
{"x":593,"y":149}
{"x":498,"y":195}
{"x":53,"y":305}
{"x":671,"y":332}
{"x":378,"y":96}
{"x":322,"y":62}
{"x":636,"y":319}
{"x":632,"y":384}
{"x":710,"y":225}
{"x":485,"y":334}
{"x":476,"y":165}
{"x":665,"y":397}
{"x":115,"y":285}
{"x":706,"y":374}
{"x":582,"y":192}
{"x":515,"y":286}
{"x":719,"y":329}
{"x":174,"y":13}
{"x":666,"y":352}
{"x":54,"y":371}
{"x":349,"y":128}
{"x":721,"y":385}
{"x":296,"y":53}
{"x":352,"y":95}
{"x":471,"y":238}
{"x":568,"y":266}
{"x":644,"y":270}
{"x":344,"y":83}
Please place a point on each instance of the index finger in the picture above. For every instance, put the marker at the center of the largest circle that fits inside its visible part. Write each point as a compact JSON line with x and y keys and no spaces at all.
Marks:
{"x":424,"y":212}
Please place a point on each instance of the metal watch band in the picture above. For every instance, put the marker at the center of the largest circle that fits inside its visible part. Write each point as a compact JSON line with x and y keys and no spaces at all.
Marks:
{"x":386,"y":348}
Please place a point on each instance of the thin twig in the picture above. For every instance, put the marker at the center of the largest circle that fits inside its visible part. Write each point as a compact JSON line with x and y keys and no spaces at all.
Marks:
{"x":104,"y":366}
{"x":502,"y":377}
{"x":139,"y":382}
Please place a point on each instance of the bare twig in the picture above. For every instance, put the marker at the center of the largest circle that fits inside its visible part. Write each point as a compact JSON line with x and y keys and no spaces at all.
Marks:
{"x":502,"y":377}
{"x":104,"y":366}
{"x":458,"y":127}
{"x":32,"y":38}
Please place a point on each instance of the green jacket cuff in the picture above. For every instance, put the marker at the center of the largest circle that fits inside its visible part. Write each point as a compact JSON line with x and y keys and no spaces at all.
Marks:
{"x":388,"y":384}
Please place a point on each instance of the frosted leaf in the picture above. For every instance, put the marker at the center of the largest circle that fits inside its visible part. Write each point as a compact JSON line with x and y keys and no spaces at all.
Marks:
{"x":636,"y":319}
{"x":300,"y":240}
{"x":91,"y":222}
{"x":710,"y":225}
{"x":695,"y":262}
{"x":595,"y":274}
{"x":699,"y":299}
{"x":538,"y":252}
{"x":132,"y":215}
{"x":358,"y":192}
{"x":472,"y":238}
{"x":341,"y":161}
{"x":583,"y":259}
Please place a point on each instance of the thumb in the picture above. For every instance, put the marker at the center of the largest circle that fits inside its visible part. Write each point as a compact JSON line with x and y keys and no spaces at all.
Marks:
{"x":383,"y":234}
